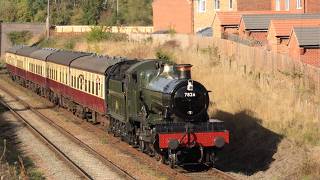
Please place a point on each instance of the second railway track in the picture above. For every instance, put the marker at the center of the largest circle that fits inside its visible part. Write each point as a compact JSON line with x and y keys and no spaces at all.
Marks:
{"x":84,"y":160}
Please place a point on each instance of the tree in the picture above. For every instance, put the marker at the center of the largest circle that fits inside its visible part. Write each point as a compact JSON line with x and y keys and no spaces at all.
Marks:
{"x":85,"y":12}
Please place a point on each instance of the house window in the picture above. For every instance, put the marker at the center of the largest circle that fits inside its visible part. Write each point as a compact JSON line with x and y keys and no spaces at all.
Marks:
{"x":201,"y":6}
{"x":217,"y":4}
{"x":277,"y":5}
{"x":230,"y":4}
{"x":287,"y":5}
{"x":299,"y":4}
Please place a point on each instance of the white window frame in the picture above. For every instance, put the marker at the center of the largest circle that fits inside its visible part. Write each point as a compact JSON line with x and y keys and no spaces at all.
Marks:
{"x":278,"y":5}
{"x":200,"y":4}
{"x":217,"y":3}
{"x":287,"y":5}
{"x":230,"y":4}
{"x":299,"y":4}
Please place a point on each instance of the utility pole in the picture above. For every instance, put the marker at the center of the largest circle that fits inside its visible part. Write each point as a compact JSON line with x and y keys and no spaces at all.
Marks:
{"x":0,"y":38}
{"x":117,"y":8}
{"x":48,"y":20}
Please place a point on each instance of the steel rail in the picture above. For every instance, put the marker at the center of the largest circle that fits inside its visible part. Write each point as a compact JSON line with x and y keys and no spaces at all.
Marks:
{"x":82,"y":173}
{"x":70,"y":136}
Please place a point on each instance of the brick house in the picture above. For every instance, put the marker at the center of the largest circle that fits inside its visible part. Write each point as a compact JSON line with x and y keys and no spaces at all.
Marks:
{"x":191,"y":16}
{"x":256,"y":26}
{"x":280,"y":30}
{"x":173,"y":14}
{"x":296,"y":6}
{"x":229,"y":22}
{"x":304,"y":45}
{"x":225,"y":22}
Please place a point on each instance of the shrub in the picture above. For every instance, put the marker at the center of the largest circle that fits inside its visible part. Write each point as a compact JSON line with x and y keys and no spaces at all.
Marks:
{"x":98,"y":34}
{"x":47,"y":43}
{"x":19,"y":37}
{"x":164,"y":55}
{"x":70,"y":44}
{"x":172,"y":31}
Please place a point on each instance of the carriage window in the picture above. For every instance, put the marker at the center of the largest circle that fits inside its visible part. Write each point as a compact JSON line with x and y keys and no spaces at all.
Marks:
{"x":92,"y":90}
{"x":66,"y":78}
{"x":85,"y":85}
{"x":81,"y":82}
{"x":97,"y":88}
{"x":72,"y":81}
{"x":89,"y":86}
{"x":101,"y":87}
{"x":77,"y":82}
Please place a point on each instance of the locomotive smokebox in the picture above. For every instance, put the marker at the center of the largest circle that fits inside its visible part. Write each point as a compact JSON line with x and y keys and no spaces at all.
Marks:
{"x":184,"y":71}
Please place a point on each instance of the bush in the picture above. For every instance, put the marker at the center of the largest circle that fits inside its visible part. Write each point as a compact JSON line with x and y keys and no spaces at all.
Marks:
{"x":47,"y":43}
{"x":70,"y":44}
{"x":98,"y":34}
{"x":19,"y":37}
{"x":164,"y":55}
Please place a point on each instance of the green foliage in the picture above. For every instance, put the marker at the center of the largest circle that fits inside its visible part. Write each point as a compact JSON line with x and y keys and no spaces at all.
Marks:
{"x":99,"y":34}
{"x":172,"y":31}
{"x":70,"y":44}
{"x":19,"y":37}
{"x":84,"y":12}
{"x":164,"y":55}
{"x":47,"y":42}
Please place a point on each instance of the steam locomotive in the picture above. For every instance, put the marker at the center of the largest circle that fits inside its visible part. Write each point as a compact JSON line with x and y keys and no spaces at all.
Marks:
{"x":151,"y":104}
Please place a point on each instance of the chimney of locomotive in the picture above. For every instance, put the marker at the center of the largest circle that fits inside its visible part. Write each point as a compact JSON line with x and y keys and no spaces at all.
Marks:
{"x":184,"y":71}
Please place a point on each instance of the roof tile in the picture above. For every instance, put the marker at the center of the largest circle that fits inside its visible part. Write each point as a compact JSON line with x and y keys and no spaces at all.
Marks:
{"x":262,"y":21}
{"x":284,"y":27}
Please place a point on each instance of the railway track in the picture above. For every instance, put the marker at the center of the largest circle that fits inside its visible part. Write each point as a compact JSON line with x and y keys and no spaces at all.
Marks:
{"x":210,"y":174}
{"x":82,"y":172}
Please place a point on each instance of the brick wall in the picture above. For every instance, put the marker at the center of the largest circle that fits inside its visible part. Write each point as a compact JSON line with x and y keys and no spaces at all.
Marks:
{"x":294,"y":49}
{"x":254,"y":5}
{"x":242,"y":32}
{"x":35,"y":29}
{"x":313,"y":6}
{"x":204,"y":19}
{"x":283,"y":46}
{"x":259,"y":35}
{"x":309,"y":55}
{"x":230,"y":30}
{"x":308,"y":6}
{"x":217,"y":28}
{"x":175,"y":14}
